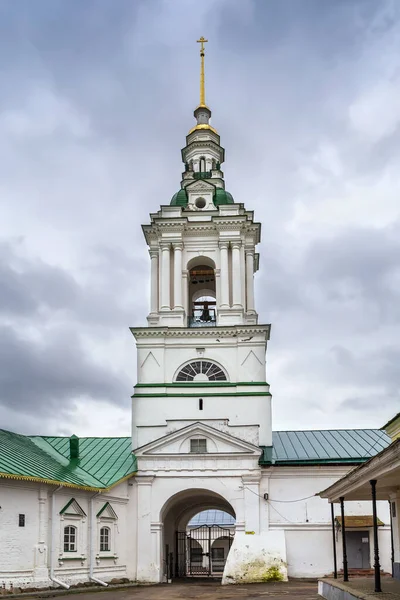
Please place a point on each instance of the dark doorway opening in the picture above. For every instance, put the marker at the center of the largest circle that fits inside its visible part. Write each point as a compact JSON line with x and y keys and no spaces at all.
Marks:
{"x":358,"y":551}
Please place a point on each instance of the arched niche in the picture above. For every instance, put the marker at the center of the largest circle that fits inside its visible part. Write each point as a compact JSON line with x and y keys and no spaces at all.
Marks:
{"x":202,"y":293}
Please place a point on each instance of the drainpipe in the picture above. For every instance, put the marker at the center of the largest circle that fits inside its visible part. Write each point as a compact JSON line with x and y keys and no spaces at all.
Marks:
{"x":93,"y":543}
{"x":53,"y":540}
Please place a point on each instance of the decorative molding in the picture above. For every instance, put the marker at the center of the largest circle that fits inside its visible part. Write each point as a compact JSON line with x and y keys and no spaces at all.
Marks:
{"x":217,"y":332}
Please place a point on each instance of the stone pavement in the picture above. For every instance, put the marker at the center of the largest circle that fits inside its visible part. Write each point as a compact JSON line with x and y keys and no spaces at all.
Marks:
{"x":207,"y":591}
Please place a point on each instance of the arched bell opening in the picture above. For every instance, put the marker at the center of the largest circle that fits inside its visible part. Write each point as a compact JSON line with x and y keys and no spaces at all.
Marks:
{"x":202,"y":296}
{"x":198,"y":530}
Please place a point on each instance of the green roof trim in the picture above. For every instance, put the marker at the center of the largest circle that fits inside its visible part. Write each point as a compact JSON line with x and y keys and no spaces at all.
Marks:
{"x":78,"y":508}
{"x":107,"y":506}
{"x":102,"y":463}
{"x":319,"y":447}
{"x":165,"y":395}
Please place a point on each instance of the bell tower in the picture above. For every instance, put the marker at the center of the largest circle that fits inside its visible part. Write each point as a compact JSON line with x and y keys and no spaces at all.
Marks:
{"x":202,"y":407}
{"x":202,"y":355}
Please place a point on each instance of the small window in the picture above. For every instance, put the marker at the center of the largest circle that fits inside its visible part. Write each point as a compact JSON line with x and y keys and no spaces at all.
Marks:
{"x":198,"y":446}
{"x":21,"y":520}
{"x":105,"y":539}
{"x":70,"y":538}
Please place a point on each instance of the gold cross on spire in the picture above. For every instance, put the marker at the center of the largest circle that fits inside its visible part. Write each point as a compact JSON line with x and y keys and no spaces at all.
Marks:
{"x":202,"y":41}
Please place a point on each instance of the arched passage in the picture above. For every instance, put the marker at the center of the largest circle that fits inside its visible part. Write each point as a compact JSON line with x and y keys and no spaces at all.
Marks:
{"x":188,"y":550}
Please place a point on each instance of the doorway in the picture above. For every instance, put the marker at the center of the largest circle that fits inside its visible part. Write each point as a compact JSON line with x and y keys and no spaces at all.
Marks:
{"x":358,"y":551}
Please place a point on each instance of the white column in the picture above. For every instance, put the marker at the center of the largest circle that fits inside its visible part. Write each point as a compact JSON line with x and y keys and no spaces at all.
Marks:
{"x":146,"y":569}
{"x":249,"y":280}
{"x":185,"y":285}
{"x":165,"y":277}
{"x":236,"y":275}
{"x":178,"y":276}
{"x":154,"y":281}
{"x":224,"y":275}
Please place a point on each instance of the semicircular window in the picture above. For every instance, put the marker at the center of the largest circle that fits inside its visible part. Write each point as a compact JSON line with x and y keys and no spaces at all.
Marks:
{"x":201,"y":370}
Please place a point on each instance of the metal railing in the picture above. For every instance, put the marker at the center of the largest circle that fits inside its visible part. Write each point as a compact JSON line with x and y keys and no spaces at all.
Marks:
{"x":202,"y":175}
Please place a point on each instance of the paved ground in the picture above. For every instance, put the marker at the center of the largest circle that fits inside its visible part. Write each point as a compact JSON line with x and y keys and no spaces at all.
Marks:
{"x":208,"y":591}
{"x":362,"y":586}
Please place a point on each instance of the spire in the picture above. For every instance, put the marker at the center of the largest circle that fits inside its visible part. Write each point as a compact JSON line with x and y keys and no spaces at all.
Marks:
{"x":202,"y":112}
{"x":202,"y":41}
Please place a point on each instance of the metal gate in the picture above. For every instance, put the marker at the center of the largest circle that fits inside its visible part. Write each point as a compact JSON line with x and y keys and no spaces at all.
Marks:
{"x":202,"y":551}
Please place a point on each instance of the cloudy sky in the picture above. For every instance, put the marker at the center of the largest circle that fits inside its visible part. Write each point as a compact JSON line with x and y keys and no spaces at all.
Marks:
{"x":96,"y":99}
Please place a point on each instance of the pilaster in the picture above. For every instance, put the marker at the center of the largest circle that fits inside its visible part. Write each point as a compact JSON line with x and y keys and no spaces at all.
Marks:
{"x":251,"y":488}
{"x":41,"y":571}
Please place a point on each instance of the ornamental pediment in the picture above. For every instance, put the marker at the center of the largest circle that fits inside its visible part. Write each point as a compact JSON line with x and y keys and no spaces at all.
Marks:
{"x":200,"y":187}
{"x":197,"y":439}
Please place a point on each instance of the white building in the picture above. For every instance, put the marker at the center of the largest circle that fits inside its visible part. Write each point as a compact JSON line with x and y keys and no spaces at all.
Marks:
{"x":73,"y":510}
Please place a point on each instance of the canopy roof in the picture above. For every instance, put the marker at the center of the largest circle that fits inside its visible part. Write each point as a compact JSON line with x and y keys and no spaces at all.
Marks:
{"x":384,"y":468}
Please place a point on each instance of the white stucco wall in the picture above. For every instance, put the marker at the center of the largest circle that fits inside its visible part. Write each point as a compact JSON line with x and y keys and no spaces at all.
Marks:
{"x":307,"y":523}
{"x":17,"y":543}
{"x":25,"y":560}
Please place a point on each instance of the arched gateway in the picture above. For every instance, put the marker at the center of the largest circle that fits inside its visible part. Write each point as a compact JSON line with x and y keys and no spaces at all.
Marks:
{"x":202,"y":406}
{"x":191,"y":550}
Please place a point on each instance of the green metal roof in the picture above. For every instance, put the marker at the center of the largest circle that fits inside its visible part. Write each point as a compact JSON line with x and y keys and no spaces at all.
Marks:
{"x":222,"y":197}
{"x":102,"y":461}
{"x":340,"y":446}
{"x":179,"y":199}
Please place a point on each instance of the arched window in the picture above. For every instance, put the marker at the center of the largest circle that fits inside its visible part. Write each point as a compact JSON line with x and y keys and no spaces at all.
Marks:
{"x":70,"y":538}
{"x":201,"y":370}
{"x":202,"y":168}
{"x":105,"y":539}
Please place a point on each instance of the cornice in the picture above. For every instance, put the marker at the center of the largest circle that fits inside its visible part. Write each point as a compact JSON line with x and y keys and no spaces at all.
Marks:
{"x":228,"y":331}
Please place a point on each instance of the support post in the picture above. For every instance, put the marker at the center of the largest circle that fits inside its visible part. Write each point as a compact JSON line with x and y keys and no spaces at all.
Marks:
{"x":334,"y":542}
{"x":377,"y":566}
{"x":345,"y":568}
{"x":391,"y":537}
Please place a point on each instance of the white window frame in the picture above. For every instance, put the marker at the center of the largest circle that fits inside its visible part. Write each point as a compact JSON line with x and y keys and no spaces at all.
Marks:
{"x":75,"y":536}
{"x":198,"y":440}
{"x":105,"y":528}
